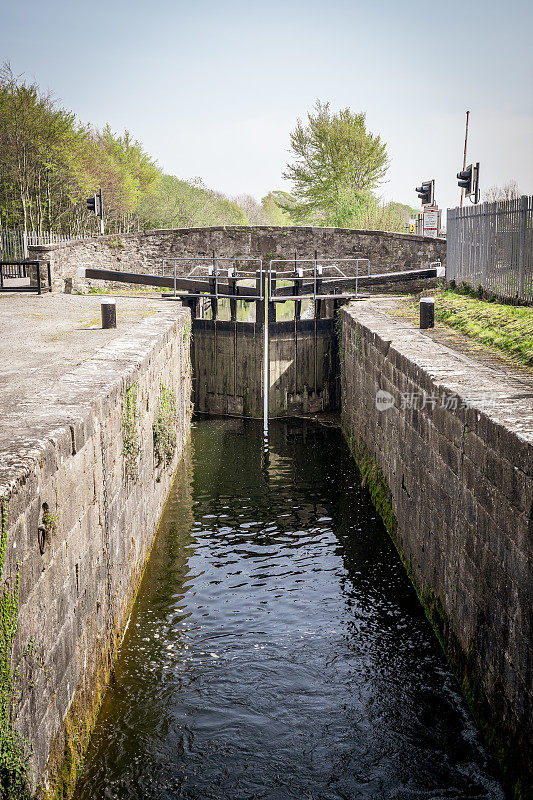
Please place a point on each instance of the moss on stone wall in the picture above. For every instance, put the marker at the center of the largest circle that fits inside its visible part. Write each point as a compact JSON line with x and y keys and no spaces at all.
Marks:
{"x":115,"y":243}
{"x":504,"y":744}
{"x":13,"y":747}
{"x":165,"y":426}
{"x":131,"y":448}
{"x":67,"y":753}
{"x":66,"y":758}
{"x":374,"y":481}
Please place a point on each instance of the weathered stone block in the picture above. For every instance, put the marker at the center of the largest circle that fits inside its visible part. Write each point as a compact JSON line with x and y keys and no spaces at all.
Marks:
{"x":461,"y":483}
{"x":63,"y":591}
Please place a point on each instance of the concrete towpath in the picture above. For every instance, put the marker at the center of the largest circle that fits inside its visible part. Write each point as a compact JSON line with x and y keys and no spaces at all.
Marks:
{"x":43,"y":337}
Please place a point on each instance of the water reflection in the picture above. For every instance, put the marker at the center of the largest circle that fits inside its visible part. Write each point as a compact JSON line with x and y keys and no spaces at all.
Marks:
{"x":277,"y":649}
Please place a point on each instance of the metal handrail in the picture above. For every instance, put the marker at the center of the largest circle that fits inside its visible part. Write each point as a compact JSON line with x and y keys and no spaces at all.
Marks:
{"x":19,"y":269}
{"x":317,"y":269}
{"x":215,"y":268}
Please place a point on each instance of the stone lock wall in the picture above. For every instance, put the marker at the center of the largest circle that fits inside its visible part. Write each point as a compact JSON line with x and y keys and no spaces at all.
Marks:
{"x":91,"y":462}
{"x":143,"y":252}
{"x":453,"y":481}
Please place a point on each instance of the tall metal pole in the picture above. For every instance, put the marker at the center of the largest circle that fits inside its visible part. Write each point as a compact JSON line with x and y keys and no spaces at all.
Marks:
{"x":215,"y":270}
{"x":101,"y":211}
{"x":464,"y":156}
{"x":265,"y":282}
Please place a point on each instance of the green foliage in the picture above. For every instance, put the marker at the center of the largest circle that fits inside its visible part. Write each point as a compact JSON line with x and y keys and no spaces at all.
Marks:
{"x":258,"y":213}
{"x":50,"y":163}
{"x":13,"y":762}
{"x":374,"y":215}
{"x":276,"y":208}
{"x":36,"y":140}
{"x":407,"y":212}
{"x":115,"y":243}
{"x":337,"y":163}
{"x":178,"y":203}
{"x":504,"y":327}
{"x":165,"y":426}
{"x":336,"y":168}
{"x":49,"y":521}
{"x":131,"y":448}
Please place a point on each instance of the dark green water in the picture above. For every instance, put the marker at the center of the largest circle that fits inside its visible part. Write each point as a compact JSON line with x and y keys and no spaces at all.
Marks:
{"x":277,"y":649}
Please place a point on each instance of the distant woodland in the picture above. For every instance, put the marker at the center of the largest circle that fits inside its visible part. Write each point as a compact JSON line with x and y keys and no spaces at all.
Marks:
{"x":50,"y":163}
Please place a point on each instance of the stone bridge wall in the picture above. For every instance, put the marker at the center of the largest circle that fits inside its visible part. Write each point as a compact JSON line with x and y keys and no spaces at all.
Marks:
{"x":143,"y":252}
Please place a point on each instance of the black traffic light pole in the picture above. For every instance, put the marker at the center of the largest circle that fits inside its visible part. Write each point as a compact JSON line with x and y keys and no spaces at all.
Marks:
{"x":96,"y":205}
{"x":101,"y":211}
{"x":426,"y":192}
{"x":468,"y":180}
{"x":464,"y":155}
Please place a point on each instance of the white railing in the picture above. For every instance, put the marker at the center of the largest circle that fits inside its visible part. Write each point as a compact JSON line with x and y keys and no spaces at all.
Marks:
{"x":14,"y":243}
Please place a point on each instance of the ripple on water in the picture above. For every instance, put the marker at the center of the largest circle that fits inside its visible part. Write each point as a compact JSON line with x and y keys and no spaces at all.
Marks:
{"x":277,"y":649}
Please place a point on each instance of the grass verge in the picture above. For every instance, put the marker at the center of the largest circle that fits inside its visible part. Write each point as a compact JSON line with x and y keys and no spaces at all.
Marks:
{"x":504,"y":327}
{"x":491,"y":326}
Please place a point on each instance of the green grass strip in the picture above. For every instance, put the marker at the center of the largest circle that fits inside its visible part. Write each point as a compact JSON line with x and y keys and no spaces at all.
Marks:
{"x":504,"y":327}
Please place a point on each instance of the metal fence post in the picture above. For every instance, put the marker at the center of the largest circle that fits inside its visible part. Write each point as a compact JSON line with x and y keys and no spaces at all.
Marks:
{"x":232,"y":289}
{"x":484,"y":245}
{"x":260,"y":279}
{"x":522,"y":228}
{"x":491,"y":245}
{"x":451,"y":244}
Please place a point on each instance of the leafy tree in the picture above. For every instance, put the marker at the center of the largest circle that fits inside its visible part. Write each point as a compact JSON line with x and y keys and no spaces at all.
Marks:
{"x":254,"y":211}
{"x":177,"y":203}
{"x":36,"y":137}
{"x":377,"y":216}
{"x":275,"y":207}
{"x":229,"y":212}
{"x":337,"y":163}
{"x":406,"y":211}
{"x":50,"y":164}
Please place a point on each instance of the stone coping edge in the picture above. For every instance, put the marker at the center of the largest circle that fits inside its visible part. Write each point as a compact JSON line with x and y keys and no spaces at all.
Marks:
{"x":55,"y":424}
{"x":507,"y":424}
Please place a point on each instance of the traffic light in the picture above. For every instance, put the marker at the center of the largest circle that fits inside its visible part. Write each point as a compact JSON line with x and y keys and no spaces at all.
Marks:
{"x":96,"y":205}
{"x":426,"y":193}
{"x":468,"y":179}
{"x":92,"y":204}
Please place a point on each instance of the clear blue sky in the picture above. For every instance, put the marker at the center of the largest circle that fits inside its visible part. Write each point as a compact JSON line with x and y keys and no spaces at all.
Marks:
{"x":213,"y":88}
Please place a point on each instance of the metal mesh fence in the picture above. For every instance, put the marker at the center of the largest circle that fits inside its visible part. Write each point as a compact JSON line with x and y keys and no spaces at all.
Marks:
{"x":491,"y":245}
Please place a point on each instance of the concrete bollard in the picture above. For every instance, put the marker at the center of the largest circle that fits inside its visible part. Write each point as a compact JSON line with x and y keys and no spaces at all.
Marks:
{"x":427,"y":312}
{"x":109,"y":314}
